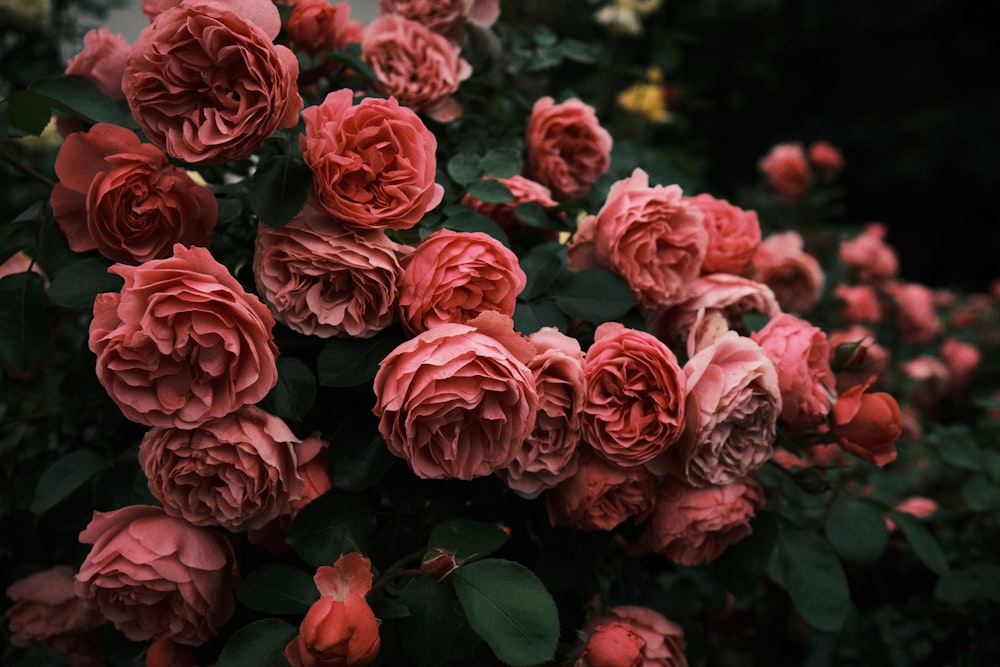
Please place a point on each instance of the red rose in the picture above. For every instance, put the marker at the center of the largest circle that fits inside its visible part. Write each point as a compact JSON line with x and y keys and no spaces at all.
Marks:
{"x":317,"y":26}
{"x":374,"y":163}
{"x":827,"y":159}
{"x":662,"y":638}
{"x":786,"y":170}
{"x":182,"y":342}
{"x":155,"y":576}
{"x":733,"y":235}
{"x":600,"y":495}
{"x":794,"y":275}
{"x":455,"y":276}
{"x":567,"y":150}
{"x":168,"y":653}
{"x":207,"y":85}
{"x":612,"y":644}
{"x":102,"y":60}
{"x":122,"y":197}
{"x":867,"y":424}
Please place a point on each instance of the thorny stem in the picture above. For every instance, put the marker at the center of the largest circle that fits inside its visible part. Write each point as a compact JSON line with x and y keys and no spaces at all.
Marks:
{"x":397,"y":570}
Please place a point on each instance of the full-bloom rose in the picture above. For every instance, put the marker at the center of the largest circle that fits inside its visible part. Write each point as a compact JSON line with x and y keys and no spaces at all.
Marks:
{"x":373,"y":163}
{"x":929,"y":378}
{"x":455,"y":276}
{"x":322,"y":279}
{"x":858,"y":303}
{"x":417,"y":66}
{"x":787,"y":171}
{"x":801,"y":353}
{"x":524,"y":191}
{"x":182,"y":342}
{"x":549,"y":454}
{"x":155,"y":576}
{"x":962,"y":359}
{"x":733,"y":235}
{"x":867,"y":424}
{"x":649,"y":236}
{"x":445,"y":16}
{"x":567,"y":150}
{"x":238,"y":471}
{"x":663,"y":639}
{"x":868,"y":256}
{"x":693,"y":526}
{"x":794,"y":275}
{"x":600,"y":495}
{"x":732,"y":408}
{"x":454,"y":403}
{"x":102,"y":60}
{"x":206,"y":83}
{"x":48,"y":612}
{"x":319,"y":25}
{"x":633,"y":401}
{"x":827,"y":159}
{"x":122,"y":197}
{"x":915,"y":315}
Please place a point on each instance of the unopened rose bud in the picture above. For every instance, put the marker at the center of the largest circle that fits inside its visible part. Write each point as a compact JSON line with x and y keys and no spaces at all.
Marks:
{"x":438,"y":564}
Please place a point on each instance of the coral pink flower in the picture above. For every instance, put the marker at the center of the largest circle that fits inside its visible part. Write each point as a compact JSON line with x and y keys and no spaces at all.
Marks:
{"x":102,"y":60}
{"x":733,"y":235}
{"x":662,"y":638}
{"x":793,"y":275}
{"x":122,"y":197}
{"x":600,"y":495}
{"x":318,"y":25}
{"x":787,"y":171}
{"x":915,"y":314}
{"x":567,"y":149}
{"x":867,"y":424}
{"x":858,"y":303}
{"x":962,"y":359}
{"x":827,"y":159}
{"x":612,"y":644}
{"x":445,"y":17}
{"x":917,"y":506}
{"x":868,"y":256}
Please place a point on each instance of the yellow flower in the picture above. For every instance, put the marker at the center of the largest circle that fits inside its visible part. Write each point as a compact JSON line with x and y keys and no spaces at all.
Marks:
{"x":645,"y":99}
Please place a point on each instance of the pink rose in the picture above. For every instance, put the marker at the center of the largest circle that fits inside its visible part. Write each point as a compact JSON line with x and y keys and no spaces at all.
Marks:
{"x":793,"y":275}
{"x":454,"y":403}
{"x":649,"y":236}
{"x":868,"y":256}
{"x":929,"y":378}
{"x":733,"y":235}
{"x":634,"y":389}
{"x":19,"y":262}
{"x":786,"y":170}
{"x":549,"y":454}
{"x":419,"y":67}
{"x":917,"y":506}
{"x":915,"y":315}
{"x":207,"y":85}
{"x":524,"y":191}
{"x":612,"y":644}
{"x":858,"y":303}
{"x":238,"y":471}
{"x":600,"y":495}
{"x":124,"y":198}
{"x":732,"y":408}
{"x":693,"y":526}
{"x":102,"y":60}
{"x":454,"y":276}
{"x":155,"y":576}
{"x":567,"y":150}
{"x":316,"y":26}
{"x":867,"y":424}
{"x":445,"y":17}
{"x":962,"y":360}
{"x":374,"y":163}
{"x":663,"y":639}
{"x":48,"y":612}
{"x":182,"y":342}
{"x":868,"y":358}
{"x":801,"y":353}
{"x":322,"y":279}
{"x":827,"y":159}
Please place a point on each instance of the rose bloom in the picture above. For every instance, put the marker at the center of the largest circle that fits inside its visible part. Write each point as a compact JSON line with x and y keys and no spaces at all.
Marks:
{"x":786,"y":170}
{"x":929,"y":378}
{"x":649,"y":236}
{"x":238,"y":471}
{"x":867,"y":424}
{"x":155,"y":576}
{"x":612,"y":644}
{"x":801,"y":353}
{"x":454,"y":276}
{"x":663,"y":639}
{"x":566,"y":149}
{"x":633,"y":395}
{"x":693,"y":526}
{"x":858,"y":303}
{"x":869,"y":358}
{"x":915,"y":315}
{"x":374,"y":163}
{"x":525,"y":191}
{"x":962,"y":360}
{"x":122,"y":197}
{"x":316,"y":26}
{"x":417,"y":66}
{"x":19,"y":262}
{"x":868,"y":256}
{"x":600,"y":495}
{"x":732,"y":407}
{"x":549,"y":454}
{"x":322,"y":279}
{"x":793,"y":275}
{"x":102,"y":61}
{"x":182,"y":342}
{"x":917,"y":506}
{"x":733,"y":235}
{"x":445,"y":17}
{"x":48,"y":612}
{"x":455,"y":403}
{"x":207,"y":85}
{"x":827,"y":159}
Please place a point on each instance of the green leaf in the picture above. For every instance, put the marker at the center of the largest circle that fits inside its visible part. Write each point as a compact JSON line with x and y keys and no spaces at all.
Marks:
{"x":856,"y":529}
{"x":278,"y":589}
{"x":467,"y":220}
{"x":77,"y":285}
{"x":530,"y":317}
{"x":294,"y":394}
{"x":490,"y":191}
{"x":330,"y":526}
{"x":593,"y":294}
{"x":924,"y":546}
{"x":358,"y":456}
{"x":435,"y":632}
{"x":64,"y":477}
{"x":464,"y":168}
{"x":981,"y":494}
{"x":465,"y":539}
{"x":542,"y":266}
{"x":534,"y":215}
{"x":979,"y":581}
{"x":806,"y":567}
{"x":351,"y":58}
{"x":741,"y":565}
{"x":29,"y":112}
{"x":581,"y":52}
{"x":352,"y":362}
{"x":261,"y":643}
{"x":754,"y":321}
{"x":24,"y":329}
{"x":279,"y":190}
{"x":507,"y":605}
{"x":501,"y":162}
{"x":80,"y":98}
